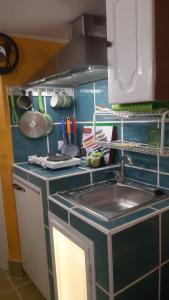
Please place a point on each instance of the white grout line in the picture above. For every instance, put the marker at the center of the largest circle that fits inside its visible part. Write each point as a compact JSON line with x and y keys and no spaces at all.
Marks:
{"x":94,"y":94}
{"x":74,"y":106}
{"x":158,"y":164}
{"x":129,"y":224}
{"x":100,"y":287}
{"x":165,"y":263}
{"x":136,"y":281}
{"x":142,"y":182}
{"x":141,"y":168}
{"x":47,"y":142}
{"x":14,"y":126}
{"x":158,"y":170}
{"x":122,"y":136}
{"x":14,"y":287}
{"x":91,"y":177}
{"x":164,"y":173}
{"x":110,"y":266}
{"x":160,"y":257}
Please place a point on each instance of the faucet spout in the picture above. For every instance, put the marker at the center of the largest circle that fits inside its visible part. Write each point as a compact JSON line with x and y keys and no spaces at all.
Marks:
{"x":125,"y":159}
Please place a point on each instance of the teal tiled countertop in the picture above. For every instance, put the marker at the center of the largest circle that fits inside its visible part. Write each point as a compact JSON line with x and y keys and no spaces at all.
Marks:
{"x":131,"y":253}
{"x":48,"y":174}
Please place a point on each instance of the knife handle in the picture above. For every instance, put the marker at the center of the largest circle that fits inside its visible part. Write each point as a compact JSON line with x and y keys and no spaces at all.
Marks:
{"x":74,"y":125}
{"x":68,"y":126}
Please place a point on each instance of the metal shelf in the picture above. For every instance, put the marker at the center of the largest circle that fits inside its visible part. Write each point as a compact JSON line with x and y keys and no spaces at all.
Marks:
{"x":126,"y":115}
{"x":134,"y":147}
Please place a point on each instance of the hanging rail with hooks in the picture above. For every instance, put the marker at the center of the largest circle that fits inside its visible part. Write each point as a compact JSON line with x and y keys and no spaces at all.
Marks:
{"x":47,"y":91}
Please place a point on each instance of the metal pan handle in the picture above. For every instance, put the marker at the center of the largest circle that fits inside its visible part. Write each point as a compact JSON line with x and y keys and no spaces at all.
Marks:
{"x":63,"y":128}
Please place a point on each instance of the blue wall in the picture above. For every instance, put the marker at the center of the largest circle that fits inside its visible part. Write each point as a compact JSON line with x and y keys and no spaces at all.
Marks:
{"x":150,"y":169}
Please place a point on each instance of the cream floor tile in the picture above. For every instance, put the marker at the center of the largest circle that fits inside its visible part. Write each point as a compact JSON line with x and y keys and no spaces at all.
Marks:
{"x":5,"y":285}
{"x":9,"y":296}
{"x":30,"y":292}
{"x":19,"y":281}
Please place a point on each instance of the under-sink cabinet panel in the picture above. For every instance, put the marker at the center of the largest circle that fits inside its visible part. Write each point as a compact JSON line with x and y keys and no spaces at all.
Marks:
{"x":73,"y":262}
{"x":32,"y":235}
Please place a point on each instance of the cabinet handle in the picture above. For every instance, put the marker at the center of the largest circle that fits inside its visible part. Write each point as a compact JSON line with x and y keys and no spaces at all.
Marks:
{"x":109,"y":44}
{"x":18,"y":187}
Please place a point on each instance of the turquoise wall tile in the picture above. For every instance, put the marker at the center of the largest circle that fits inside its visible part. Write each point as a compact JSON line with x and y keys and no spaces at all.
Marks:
{"x":135,"y":252}
{"x":68,"y":183}
{"x":164,"y":164}
{"x":164,"y":282}
{"x":23,"y":146}
{"x":100,"y":295}
{"x":101,"y":92}
{"x":138,"y":132}
{"x":143,"y":160}
{"x":141,"y":175}
{"x":80,"y":128}
{"x":164,"y":181}
{"x":100,"y":248}
{"x":48,"y":249}
{"x":146,"y":289}
{"x":58,"y":211}
{"x":166,"y":135}
{"x":54,"y":137}
{"x":165,"y":236}
{"x":84,"y":102}
{"x":103,"y":175}
{"x":42,"y":185}
{"x":52,"y":289}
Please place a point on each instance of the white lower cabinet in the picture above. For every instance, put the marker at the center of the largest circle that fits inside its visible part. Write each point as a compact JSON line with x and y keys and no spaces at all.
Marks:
{"x":32,"y":235}
{"x":73,"y":262}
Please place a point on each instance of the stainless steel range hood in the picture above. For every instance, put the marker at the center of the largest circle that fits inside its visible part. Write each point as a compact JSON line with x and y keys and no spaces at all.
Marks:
{"x":83,"y":59}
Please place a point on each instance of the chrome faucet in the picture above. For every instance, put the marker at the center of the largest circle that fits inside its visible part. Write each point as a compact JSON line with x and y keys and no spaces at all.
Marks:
{"x":125,"y":159}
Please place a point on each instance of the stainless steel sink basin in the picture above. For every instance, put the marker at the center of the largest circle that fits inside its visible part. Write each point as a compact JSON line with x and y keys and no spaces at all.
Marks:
{"x":112,"y":200}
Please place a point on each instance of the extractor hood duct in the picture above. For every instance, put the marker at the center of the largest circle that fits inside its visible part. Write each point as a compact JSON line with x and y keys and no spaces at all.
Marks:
{"x":83,"y":59}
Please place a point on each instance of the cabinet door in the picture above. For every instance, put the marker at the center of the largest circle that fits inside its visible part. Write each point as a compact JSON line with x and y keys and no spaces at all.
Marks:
{"x":130,"y":56}
{"x":32,"y":236}
{"x":73,"y":262}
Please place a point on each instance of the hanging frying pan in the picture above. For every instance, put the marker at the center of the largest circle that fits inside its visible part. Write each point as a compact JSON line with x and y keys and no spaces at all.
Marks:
{"x":47,"y":116}
{"x":33,"y":124}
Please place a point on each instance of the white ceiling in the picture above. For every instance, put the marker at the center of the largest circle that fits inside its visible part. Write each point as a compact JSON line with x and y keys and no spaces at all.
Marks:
{"x":46,"y":19}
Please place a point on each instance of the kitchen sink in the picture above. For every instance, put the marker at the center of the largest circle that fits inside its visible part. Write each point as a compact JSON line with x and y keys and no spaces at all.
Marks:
{"x":111,"y":200}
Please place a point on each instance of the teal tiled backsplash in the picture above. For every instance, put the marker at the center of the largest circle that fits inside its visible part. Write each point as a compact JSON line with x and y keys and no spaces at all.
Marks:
{"x":149,"y":169}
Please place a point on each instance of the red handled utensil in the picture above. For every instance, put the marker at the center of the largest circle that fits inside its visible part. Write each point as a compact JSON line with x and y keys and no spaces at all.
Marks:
{"x":71,"y":149}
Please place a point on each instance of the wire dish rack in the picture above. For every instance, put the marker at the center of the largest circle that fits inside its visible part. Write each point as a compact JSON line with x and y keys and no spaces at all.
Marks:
{"x":161,"y":115}
{"x":127,"y":115}
{"x":135,"y":147}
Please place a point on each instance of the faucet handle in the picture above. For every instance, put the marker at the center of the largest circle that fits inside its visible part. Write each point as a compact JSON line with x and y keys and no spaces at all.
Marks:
{"x":127,"y":159}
